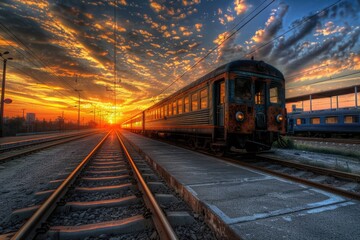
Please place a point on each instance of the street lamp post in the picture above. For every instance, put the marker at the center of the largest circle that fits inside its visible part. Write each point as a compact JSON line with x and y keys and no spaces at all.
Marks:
{"x":78,"y":91}
{"x":3,"y":92}
{"x":94,"y":110}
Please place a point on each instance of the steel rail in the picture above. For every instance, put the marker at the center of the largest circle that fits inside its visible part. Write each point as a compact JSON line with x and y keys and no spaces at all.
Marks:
{"x":31,"y":228}
{"x":329,"y":188}
{"x":328,"y":140}
{"x":4,"y":156}
{"x":9,"y":146}
{"x":162,"y":225}
{"x":320,"y":170}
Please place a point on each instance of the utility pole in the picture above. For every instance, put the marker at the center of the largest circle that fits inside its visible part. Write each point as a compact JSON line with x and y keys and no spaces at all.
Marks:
{"x":115,"y":55}
{"x":3,"y":92}
{"x":94,"y":110}
{"x":78,"y":121}
{"x":100,"y":118}
{"x":112,"y":90}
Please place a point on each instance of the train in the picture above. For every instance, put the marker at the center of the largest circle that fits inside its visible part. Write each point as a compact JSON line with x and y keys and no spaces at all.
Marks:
{"x":340,"y":122}
{"x":239,"y":105}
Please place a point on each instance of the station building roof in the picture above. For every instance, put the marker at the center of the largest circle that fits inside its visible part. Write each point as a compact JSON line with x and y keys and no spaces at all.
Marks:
{"x":324,"y":94}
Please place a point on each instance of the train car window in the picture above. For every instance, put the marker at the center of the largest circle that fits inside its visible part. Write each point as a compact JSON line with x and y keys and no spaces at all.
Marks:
{"x":274,"y":95}
{"x":166,"y":110}
{"x":174,"y":107}
{"x":180,"y":106}
{"x":222,"y":92}
{"x":170,"y":109}
{"x":350,"y":119}
{"x":331,"y":120}
{"x":162,"y":112}
{"x":243,"y":88}
{"x":300,"y":121}
{"x":315,"y":120}
{"x":194,"y":102}
{"x":186,"y":104}
{"x":259,"y":93}
{"x":204,"y":99}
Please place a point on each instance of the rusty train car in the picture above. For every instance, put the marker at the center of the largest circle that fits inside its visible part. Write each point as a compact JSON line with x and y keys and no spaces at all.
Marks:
{"x":240,"y":104}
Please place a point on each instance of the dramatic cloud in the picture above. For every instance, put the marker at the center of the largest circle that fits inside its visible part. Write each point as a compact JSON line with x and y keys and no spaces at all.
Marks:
{"x":63,"y":46}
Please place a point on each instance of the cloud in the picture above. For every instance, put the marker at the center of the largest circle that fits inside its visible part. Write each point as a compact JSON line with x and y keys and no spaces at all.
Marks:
{"x":198,"y":27}
{"x":311,"y":54}
{"x":330,"y":28}
{"x":190,"y":2}
{"x":304,"y":30}
{"x":157,"y":7}
{"x":240,"y":6}
{"x":272,"y":25}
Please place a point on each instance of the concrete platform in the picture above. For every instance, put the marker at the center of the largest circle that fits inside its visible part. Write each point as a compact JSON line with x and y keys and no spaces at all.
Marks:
{"x":242,"y":203}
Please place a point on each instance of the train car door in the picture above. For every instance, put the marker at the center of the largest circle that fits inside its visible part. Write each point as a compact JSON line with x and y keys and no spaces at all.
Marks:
{"x":291,"y":126}
{"x":219,"y":109}
{"x":260,"y":104}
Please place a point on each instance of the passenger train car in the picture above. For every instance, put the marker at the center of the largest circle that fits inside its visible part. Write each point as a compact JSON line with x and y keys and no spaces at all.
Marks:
{"x":325,"y":123}
{"x":240,"y":104}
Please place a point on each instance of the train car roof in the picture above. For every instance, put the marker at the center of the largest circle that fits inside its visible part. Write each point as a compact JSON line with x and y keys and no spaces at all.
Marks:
{"x":324,"y":94}
{"x":252,"y":66}
{"x":326,"y":112}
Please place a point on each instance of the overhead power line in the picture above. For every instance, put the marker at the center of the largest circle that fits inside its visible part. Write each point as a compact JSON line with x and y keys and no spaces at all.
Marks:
{"x":301,"y":73}
{"x":217,"y":46}
{"x":32,"y":54}
{"x":324,"y":80}
{"x":291,"y":29}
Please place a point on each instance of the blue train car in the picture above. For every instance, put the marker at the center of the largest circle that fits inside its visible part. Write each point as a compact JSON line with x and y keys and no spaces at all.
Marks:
{"x":325,"y":123}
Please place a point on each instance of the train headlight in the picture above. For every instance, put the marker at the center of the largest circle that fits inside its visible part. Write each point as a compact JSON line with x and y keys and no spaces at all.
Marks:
{"x":279,"y":118}
{"x":239,"y":116}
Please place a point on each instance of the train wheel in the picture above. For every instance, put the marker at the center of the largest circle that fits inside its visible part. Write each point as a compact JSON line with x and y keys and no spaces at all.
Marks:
{"x":251,"y":148}
{"x":192,"y":143}
{"x":218,"y":150}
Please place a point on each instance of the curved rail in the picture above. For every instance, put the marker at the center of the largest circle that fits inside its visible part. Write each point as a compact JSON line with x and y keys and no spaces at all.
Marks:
{"x":31,"y":227}
{"x":331,"y":140}
{"x":329,"y":188}
{"x":319,"y":170}
{"x":164,"y":228}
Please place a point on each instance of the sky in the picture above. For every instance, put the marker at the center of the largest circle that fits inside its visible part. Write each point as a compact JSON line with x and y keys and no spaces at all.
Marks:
{"x":122,"y":56}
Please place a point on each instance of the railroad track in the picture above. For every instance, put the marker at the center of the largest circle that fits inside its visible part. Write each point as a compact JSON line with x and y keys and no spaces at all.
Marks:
{"x":110,"y":194}
{"x":18,"y":149}
{"x":342,"y":183}
{"x":330,"y":140}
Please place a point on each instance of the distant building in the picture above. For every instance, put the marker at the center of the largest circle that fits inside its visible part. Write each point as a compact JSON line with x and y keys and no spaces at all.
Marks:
{"x":30,"y":118}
